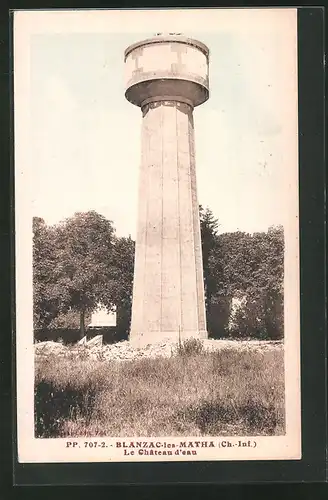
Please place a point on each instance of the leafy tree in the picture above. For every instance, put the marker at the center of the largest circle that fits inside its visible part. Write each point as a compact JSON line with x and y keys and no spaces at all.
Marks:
{"x":122,"y":276}
{"x":69,"y":319}
{"x":236,"y":262}
{"x":84,"y":260}
{"x":253,"y":270}
{"x":270,"y":276}
{"x":80,"y":263}
{"x":48,"y":296}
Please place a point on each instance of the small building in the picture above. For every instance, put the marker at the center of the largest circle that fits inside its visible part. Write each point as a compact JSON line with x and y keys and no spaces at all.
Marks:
{"x":103,"y":323}
{"x":102,"y":318}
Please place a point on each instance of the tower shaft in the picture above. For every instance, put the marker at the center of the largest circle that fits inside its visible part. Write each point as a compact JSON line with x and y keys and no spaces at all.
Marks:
{"x":168,"y":292}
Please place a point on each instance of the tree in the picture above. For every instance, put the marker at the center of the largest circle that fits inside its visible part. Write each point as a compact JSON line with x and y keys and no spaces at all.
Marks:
{"x":215,"y":302}
{"x":211,"y":264}
{"x":49,"y":299}
{"x":253,"y":269}
{"x":80,"y":263}
{"x":122,"y":277}
{"x":270,"y":277}
{"x":84,"y":262}
{"x":68,"y":320}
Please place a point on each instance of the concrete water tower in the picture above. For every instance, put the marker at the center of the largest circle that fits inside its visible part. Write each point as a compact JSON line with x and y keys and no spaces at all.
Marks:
{"x":167,"y":76}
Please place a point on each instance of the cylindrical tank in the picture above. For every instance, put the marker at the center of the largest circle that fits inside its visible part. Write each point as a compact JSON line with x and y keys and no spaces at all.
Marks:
{"x":170,"y":67}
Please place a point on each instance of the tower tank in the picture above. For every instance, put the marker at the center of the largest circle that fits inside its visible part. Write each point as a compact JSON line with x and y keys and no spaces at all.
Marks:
{"x":167,"y":67}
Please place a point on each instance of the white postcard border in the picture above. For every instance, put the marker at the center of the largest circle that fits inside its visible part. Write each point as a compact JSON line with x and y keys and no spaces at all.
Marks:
{"x":31,"y":449}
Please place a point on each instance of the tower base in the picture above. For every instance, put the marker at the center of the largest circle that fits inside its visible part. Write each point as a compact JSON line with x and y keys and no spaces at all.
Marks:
{"x":143,"y":339}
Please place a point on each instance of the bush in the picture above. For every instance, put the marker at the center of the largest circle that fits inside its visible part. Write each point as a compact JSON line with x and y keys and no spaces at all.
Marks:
{"x":189,"y":347}
{"x":258,"y":318}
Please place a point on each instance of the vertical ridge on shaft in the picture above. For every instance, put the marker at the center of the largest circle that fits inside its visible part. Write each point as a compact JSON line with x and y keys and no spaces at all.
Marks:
{"x":196,"y":232}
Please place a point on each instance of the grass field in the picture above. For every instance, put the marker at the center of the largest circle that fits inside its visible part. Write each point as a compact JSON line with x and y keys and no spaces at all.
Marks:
{"x":192,"y":393}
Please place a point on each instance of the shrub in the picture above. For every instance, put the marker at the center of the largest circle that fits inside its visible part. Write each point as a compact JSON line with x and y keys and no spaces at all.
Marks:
{"x":259,"y":317}
{"x":189,"y":347}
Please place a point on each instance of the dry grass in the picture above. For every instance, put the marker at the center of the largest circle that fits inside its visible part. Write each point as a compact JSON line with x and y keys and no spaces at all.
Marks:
{"x":193,"y":393}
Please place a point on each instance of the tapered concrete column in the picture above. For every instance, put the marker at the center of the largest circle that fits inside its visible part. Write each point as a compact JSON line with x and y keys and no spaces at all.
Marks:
{"x":168,"y":289}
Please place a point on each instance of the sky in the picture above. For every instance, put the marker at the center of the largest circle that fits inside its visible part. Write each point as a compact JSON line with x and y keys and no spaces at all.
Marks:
{"x":85,"y":137}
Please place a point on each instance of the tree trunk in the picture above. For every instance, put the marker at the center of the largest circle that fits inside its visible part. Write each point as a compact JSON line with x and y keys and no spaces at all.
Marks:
{"x":82,"y":324}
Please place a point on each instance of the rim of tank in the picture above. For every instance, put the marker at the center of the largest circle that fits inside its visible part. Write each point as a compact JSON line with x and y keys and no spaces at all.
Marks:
{"x":168,"y":38}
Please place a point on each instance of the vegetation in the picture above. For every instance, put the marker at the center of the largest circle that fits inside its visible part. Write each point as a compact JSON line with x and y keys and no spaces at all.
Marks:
{"x":193,"y":393}
{"x":81,"y":262}
{"x":189,"y":347}
{"x":78,"y":264}
{"x":212,"y":262}
{"x":249,"y":267}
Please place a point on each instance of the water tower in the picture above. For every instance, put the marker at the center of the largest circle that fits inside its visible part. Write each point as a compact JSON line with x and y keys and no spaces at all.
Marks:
{"x":167,"y":76}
